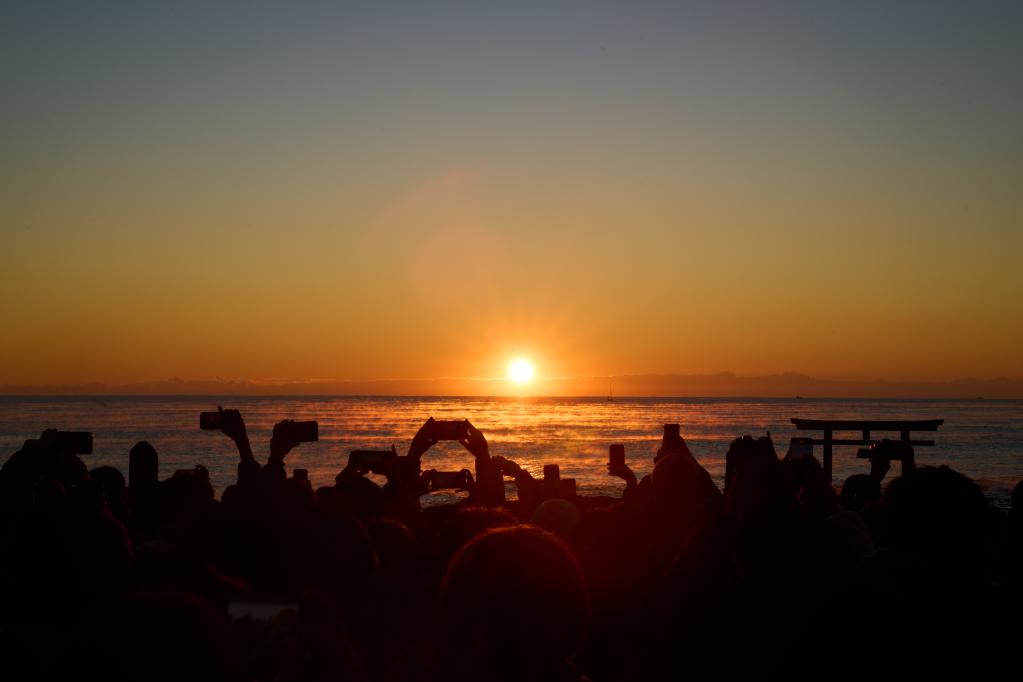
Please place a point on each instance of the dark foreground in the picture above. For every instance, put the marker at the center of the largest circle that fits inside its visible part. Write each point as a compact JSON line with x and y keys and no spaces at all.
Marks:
{"x":777,"y":577}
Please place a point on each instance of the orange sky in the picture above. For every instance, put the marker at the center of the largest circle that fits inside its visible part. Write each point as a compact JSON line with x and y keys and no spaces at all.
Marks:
{"x":380,"y":198}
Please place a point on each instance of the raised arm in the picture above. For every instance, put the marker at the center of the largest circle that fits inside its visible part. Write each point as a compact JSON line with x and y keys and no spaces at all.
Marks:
{"x":530,"y":494}
{"x":233,"y":426}
{"x":623,"y":472}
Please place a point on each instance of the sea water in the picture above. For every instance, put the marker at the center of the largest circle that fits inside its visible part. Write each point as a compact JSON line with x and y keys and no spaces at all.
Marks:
{"x":980,"y":438}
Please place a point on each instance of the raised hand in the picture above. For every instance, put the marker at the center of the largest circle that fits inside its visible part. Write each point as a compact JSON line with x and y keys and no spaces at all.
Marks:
{"x":623,"y":472}
{"x":475,"y":442}
{"x":281,"y":442}
{"x":507,"y":467}
{"x":879,"y":467}
{"x":350,"y":472}
{"x":489,"y":485}
{"x":470,"y":482}
{"x":232,"y":425}
{"x":423,"y":440}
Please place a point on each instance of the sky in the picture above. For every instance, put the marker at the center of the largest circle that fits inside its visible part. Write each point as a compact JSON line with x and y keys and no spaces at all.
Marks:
{"x":357,"y":191}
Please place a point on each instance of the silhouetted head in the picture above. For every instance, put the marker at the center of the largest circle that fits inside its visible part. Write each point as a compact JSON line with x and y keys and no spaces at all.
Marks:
{"x":360,"y":494}
{"x":111,"y":482}
{"x":682,"y":487}
{"x":394,"y":543}
{"x":752,"y":475}
{"x":186,"y":494}
{"x":756,"y":456}
{"x":668,"y":476}
{"x":513,"y":597}
{"x":341,"y":556}
{"x":560,"y":517}
{"x":676,"y":474}
{"x":938,"y":512}
{"x":143,"y":465}
{"x":858,"y":491}
{"x":296,"y":497}
{"x":403,"y":568}
{"x":672,"y":443}
{"x":464,"y":525}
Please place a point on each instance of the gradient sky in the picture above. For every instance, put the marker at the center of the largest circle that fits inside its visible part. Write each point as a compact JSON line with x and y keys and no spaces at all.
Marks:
{"x":359,"y":191}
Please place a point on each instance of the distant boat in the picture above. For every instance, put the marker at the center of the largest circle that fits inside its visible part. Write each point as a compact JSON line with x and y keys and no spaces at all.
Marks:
{"x":799,"y":397}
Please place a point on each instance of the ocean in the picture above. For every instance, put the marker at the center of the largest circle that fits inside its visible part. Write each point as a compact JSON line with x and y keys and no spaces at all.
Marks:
{"x":980,"y":438}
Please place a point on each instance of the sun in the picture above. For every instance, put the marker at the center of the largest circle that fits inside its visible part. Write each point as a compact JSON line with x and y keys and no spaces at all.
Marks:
{"x":521,"y":371}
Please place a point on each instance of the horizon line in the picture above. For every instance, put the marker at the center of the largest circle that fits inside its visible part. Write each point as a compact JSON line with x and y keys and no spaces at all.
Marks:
{"x":452,"y":396}
{"x":717,"y":385}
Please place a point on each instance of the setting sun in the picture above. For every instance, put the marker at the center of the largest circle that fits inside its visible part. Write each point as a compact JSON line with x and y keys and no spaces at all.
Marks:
{"x":521,"y":371}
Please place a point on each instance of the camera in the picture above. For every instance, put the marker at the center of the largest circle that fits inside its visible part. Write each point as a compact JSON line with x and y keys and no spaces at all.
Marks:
{"x":551,"y":474}
{"x":297,"y":432}
{"x":616,"y":455}
{"x":889,"y":449}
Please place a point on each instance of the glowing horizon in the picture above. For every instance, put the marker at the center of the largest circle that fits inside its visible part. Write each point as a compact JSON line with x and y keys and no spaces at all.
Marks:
{"x":362,"y":192}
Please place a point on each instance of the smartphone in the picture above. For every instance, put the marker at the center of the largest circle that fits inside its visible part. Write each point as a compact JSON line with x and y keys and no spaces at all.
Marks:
{"x":616,"y":455}
{"x":264,"y":611}
{"x":448,"y":479}
{"x":300,"y":474}
{"x":298,"y":432}
{"x":551,"y":474}
{"x":566,"y":488}
{"x":211,"y":421}
{"x":450,"y":430}
{"x":373,"y":460}
{"x":800,"y":449}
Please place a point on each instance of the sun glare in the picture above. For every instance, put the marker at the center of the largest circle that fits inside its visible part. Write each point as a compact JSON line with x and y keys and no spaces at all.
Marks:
{"x":521,"y":371}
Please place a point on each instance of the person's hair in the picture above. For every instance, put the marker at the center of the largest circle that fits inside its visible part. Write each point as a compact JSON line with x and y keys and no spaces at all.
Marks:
{"x":858,"y":491}
{"x":517,"y":592}
{"x":143,"y":465}
{"x":936,"y":510}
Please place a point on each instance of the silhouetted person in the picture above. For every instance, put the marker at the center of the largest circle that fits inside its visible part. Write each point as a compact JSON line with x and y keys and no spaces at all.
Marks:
{"x":775,"y":578}
{"x":143,"y":466}
{"x":514,"y":606}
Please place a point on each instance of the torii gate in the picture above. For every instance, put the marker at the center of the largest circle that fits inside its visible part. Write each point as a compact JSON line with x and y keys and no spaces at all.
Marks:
{"x":829,"y":426}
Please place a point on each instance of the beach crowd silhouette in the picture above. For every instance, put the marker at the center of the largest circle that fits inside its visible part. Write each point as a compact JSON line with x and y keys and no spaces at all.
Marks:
{"x":896,"y":575}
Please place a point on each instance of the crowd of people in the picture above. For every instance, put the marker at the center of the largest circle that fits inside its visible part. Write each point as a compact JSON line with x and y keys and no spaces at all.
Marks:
{"x":777,"y":576}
